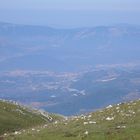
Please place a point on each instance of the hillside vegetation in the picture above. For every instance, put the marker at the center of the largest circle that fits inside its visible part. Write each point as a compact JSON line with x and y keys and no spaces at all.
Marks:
{"x":14,"y":117}
{"x":119,"y":122}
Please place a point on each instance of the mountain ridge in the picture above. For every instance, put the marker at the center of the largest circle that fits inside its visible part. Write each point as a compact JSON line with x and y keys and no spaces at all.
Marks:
{"x":79,"y":47}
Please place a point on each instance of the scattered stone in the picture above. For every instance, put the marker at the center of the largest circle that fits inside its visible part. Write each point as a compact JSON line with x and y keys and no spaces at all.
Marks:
{"x":45,"y":125}
{"x":16,"y":132}
{"x":119,"y":127}
{"x":117,"y":107}
{"x":110,"y":106}
{"x":5,"y":134}
{"x":86,"y":133}
{"x":89,"y":116}
{"x":92,"y":122}
{"x":110,"y":118}
{"x":85,"y":123}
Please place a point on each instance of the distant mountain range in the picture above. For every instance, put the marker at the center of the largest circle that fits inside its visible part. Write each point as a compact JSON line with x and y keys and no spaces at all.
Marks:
{"x":44,"y":48}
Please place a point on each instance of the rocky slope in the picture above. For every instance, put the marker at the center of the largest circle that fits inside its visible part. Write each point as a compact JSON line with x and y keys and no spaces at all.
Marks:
{"x":119,"y":122}
{"x":14,"y":117}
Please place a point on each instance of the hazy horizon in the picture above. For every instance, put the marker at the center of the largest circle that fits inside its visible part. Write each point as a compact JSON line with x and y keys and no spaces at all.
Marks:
{"x":70,"y":14}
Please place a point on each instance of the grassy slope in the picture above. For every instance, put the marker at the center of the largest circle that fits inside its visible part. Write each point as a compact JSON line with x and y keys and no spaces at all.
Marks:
{"x":124,"y":126}
{"x":14,"y":117}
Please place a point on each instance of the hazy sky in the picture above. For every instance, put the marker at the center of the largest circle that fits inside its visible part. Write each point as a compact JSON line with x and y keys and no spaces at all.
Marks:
{"x":70,"y":13}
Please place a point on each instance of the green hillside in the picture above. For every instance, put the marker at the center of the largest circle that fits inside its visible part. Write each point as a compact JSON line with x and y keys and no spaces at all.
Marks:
{"x":119,"y":122}
{"x":14,"y":117}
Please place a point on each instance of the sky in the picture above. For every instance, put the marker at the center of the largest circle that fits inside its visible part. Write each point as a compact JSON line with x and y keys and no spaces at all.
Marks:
{"x":70,"y":13}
